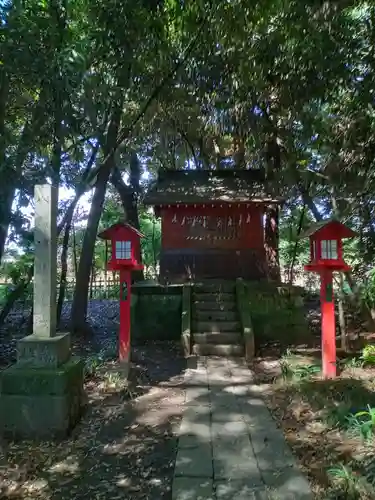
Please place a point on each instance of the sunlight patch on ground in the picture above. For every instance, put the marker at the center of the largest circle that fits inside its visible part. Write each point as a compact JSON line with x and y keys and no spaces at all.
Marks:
{"x":69,"y":465}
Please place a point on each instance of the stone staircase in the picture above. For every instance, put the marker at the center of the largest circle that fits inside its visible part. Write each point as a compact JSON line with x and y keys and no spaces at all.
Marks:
{"x":216,"y":328}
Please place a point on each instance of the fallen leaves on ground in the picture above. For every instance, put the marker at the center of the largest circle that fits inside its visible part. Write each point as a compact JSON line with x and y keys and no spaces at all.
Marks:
{"x":125,"y":445}
{"x":301,"y":411}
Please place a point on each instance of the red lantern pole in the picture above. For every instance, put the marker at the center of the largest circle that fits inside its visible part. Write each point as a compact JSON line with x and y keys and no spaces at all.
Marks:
{"x":125,"y":311}
{"x":328,"y":324}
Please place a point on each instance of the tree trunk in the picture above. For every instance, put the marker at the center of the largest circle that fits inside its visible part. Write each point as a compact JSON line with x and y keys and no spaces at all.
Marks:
{"x":4,"y":196}
{"x":64,"y":270}
{"x":4,"y":91}
{"x":271,"y":242}
{"x":92,"y":280}
{"x":106,"y":271}
{"x":7,"y":193}
{"x":21,"y":287}
{"x":342,"y":322}
{"x":365,"y":310}
{"x":154,"y":248}
{"x":129,"y":198}
{"x":299,"y":229}
{"x":75,"y":258}
{"x":80,"y":300}
{"x":340,"y":295}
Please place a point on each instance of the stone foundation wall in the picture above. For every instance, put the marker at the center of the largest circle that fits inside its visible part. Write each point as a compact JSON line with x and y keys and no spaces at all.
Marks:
{"x":156,"y":312}
{"x":277,"y":313}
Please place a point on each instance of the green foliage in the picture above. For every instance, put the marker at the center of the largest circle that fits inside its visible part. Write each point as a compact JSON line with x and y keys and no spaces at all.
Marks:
{"x":15,"y":270}
{"x":368,"y":289}
{"x":360,"y":423}
{"x":368,"y":355}
{"x":299,"y":104}
{"x":363,"y":422}
{"x":353,"y":362}
{"x":113,"y":379}
{"x":91,"y":366}
{"x":347,"y":483}
{"x":151,"y":243}
{"x":353,"y":481}
{"x":95,"y":362}
{"x":294,"y":372}
{"x":292,"y":250}
{"x":150,"y":227}
{"x":367,"y":358}
{"x":368,"y":467}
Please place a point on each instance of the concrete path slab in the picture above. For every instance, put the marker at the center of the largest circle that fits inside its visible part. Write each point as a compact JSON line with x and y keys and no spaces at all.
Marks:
{"x":188,"y":488}
{"x":194,"y":462}
{"x":229,"y":445}
{"x":240,"y":490}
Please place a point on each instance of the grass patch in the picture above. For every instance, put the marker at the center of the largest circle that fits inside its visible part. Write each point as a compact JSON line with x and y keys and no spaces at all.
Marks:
{"x":330,"y":424}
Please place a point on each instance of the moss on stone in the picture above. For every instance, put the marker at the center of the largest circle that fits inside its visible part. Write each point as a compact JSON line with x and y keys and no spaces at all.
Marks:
{"x":156,"y":317}
{"x":245,"y":318}
{"x":24,"y":380}
{"x":277,"y":313}
{"x":41,"y":402}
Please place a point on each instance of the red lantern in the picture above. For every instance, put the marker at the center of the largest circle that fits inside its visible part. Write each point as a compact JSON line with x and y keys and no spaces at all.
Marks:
{"x":326,"y":256}
{"x":125,"y":257}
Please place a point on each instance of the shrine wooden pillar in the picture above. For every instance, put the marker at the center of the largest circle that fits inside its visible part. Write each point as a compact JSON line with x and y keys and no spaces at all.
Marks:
{"x":271,"y":241}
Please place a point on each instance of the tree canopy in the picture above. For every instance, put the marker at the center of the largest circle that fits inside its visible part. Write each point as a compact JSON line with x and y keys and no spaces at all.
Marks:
{"x":97,"y":96}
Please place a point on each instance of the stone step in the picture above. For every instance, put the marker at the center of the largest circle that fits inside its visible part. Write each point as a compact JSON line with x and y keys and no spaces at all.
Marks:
{"x":218,"y":350}
{"x":216,"y":327}
{"x":203,"y":305}
{"x":229,"y":338}
{"x":215,"y":287}
{"x":214,"y":297}
{"x":215,"y":315}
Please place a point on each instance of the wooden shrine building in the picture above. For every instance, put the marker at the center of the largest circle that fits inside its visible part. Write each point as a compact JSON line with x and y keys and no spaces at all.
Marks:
{"x":219,"y":224}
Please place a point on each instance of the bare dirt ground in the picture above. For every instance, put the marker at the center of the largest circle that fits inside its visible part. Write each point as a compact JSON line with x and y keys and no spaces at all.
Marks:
{"x":125,"y":445}
{"x":313,"y":414}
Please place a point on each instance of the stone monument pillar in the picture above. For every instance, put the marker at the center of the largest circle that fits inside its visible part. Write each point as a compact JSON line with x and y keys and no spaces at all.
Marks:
{"x":41,"y":395}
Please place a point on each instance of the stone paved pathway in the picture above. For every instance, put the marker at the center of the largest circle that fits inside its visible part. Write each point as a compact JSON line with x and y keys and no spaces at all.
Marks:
{"x":229,"y":446}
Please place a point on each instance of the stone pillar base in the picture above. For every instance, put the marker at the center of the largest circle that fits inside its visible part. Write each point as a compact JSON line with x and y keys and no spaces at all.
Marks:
{"x":41,"y":402}
{"x":38,"y":351}
{"x":41,"y":396}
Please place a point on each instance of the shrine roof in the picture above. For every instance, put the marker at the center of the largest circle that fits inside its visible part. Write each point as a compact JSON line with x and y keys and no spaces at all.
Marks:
{"x":204,"y":186}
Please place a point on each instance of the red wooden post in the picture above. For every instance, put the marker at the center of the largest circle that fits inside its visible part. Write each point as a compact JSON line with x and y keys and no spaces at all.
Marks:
{"x":125,"y":315}
{"x":328,"y":324}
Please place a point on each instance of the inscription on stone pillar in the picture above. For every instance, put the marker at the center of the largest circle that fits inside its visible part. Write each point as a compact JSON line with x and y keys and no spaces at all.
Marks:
{"x":45,"y":238}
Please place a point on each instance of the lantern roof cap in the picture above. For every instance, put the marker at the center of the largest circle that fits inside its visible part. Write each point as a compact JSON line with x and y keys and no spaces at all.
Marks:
{"x":108,"y":233}
{"x":341,"y":229}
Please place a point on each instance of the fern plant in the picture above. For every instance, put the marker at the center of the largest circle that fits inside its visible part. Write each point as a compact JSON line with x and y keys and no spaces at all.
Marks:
{"x":363,"y":422}
{"x":347,"y":480}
